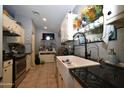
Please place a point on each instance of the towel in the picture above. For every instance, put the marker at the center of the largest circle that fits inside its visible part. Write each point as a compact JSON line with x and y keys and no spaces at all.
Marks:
{"x":109,"y":32}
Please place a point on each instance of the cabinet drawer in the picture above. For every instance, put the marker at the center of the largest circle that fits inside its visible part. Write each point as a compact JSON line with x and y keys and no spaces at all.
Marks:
{"x":7,"y":63}
{"x":7,"y":77}
{"x":47,"y":58}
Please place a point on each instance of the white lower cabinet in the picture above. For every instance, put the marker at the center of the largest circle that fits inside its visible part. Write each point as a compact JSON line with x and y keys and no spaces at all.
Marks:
{"x":47,"y":57}
{"x":60,"y":81}
{"x":7,"y":74}
{"x":65,"y":79}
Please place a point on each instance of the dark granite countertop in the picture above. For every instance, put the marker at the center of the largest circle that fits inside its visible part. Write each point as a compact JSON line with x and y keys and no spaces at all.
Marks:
{"x":7,"y":59}
{"x":47,"y":52}
{"x":118,"y":65}
{"x":102,"y":76}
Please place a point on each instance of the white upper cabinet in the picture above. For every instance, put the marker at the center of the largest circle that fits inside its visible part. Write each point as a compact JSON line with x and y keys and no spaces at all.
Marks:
{"x":6,"y":22}
{"x":67,"y":30}
{"x":10,"y":24}
{"x":114,"y":14}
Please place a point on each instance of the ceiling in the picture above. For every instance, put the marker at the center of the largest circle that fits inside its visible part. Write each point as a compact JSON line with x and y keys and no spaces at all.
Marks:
{"x":53,"y":13}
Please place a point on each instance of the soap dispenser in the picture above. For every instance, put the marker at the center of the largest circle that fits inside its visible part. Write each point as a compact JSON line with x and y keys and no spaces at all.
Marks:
{"x":112,"y":57}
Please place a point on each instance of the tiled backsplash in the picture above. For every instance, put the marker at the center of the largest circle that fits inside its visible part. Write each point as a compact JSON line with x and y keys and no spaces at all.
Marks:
{"x":118,"y":46}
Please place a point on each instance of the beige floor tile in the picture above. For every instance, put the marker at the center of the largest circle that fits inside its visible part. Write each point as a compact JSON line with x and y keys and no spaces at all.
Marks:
{"x":41,"y":76}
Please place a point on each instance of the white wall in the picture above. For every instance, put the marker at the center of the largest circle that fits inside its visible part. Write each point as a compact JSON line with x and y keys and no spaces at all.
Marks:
{"x":1,"y":40}
{"x":39,"y":32}
{"x":27,"y":25}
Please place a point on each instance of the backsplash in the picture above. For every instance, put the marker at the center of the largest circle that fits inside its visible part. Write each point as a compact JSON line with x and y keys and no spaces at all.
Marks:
{"x":118,"y":46}
{"x":5,"y":44}
{"x":47,"y":43}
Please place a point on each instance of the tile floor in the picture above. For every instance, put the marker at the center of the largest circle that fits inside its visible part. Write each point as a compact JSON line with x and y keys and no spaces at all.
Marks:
{"x":41,"y":76}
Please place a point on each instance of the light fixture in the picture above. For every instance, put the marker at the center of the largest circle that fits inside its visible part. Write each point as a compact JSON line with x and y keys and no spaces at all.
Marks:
{"x":44,"y":19}
{"x":45,"y":27}
{"x":48,"y":38}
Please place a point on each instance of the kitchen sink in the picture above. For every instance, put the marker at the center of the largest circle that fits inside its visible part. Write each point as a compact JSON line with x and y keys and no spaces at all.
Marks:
{"x":76,"y":62}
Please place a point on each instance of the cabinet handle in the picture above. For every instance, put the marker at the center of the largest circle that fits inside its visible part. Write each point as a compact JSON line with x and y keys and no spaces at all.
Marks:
{"x":9,"y":62}
{"x":8,"y":27}
{"x":109,"y":13}
{"x":5,"y":70}
{"x":61,"y":78}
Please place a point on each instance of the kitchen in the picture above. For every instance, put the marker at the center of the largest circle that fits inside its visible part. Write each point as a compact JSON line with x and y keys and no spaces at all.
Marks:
{"x":80,"y":47}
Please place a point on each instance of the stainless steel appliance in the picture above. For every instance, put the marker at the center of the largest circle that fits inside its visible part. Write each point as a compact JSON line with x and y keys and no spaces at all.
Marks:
{"x":17,"y":52}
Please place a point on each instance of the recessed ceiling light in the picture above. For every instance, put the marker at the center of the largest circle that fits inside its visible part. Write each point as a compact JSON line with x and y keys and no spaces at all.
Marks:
{"x":44,"y":19}
{"x":45,"y":27}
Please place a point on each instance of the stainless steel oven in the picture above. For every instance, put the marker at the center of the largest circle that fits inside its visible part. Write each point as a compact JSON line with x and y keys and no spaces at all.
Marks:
{"x":19,"y":62}
{"x":19,"y":70}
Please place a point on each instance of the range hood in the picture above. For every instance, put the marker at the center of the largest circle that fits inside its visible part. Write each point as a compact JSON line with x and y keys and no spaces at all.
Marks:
{"x":9,"y":33}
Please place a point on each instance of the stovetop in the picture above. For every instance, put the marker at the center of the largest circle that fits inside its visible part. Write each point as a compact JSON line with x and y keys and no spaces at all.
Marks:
{"x":8,"y":56}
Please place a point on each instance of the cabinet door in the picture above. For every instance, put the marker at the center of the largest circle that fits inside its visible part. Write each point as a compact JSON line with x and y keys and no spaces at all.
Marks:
{"x":70,"y":30}
{"x":7,"y":77}
{"x":60,"y":81}
{"x":18,"y":39}
{"x":7,"y":22}
{"x":63,"y":30}
{"x":47,"y":57}
{"x":18,"y":29}
{"x":67,"y":30}
{"x":113,"y":12}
